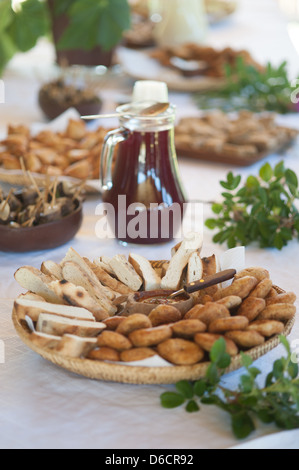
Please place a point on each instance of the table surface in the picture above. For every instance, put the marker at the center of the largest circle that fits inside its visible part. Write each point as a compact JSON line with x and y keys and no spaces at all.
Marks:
{"x":42,"y":406}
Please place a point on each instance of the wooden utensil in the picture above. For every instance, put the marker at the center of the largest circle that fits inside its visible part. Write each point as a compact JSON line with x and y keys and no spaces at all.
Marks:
{"x":150,"y":111}
{"x":204,"y":283}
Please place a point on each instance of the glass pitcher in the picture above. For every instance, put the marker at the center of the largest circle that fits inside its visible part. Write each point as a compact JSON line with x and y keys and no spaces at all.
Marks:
{"x":140,"y":177}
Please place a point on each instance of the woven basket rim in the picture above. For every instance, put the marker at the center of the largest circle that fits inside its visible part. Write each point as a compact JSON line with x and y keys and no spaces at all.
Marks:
{"x":131,"y":374}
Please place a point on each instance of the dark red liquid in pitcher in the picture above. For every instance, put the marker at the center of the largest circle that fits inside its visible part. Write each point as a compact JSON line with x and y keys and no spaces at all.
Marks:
{"x":146,"y":173}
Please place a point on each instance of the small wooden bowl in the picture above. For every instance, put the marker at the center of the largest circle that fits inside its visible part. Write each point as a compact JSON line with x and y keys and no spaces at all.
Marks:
{"x":41,"y":237}
{"x":145,"y":302}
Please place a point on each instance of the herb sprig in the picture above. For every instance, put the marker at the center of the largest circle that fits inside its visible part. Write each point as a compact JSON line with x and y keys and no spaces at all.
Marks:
{"x":262,"y":210}
{"x":276,"y":402}
{"x":247,"y":87}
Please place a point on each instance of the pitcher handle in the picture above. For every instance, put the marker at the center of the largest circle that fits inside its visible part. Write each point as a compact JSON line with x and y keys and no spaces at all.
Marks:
{"x":111,"y":140}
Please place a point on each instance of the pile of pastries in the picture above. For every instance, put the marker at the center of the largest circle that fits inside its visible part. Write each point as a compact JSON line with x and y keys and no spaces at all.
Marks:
{"x":242,"y":135}
{"x":74,"y":153}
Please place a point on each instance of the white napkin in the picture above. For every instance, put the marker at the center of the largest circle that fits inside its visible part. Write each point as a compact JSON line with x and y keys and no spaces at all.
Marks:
{"x":282,"y":440}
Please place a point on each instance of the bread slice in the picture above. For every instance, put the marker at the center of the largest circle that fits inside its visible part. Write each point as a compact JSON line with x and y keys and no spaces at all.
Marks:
{"x":31,"y":296}
{"x":107,"y":280}
{"x":50,"y":268}
{"x":73,"y":273}
{"x":74,"y":257}
{"x":126,"y":273}
{"x":103,"y":262}
{"x":35,"y":281}
{"x":195,"y":268}
{"x":143,"y":267}
{"x":33,"y":308}
{"x":59,"y":326}
{"x":77,"y":296}
{"x":43,"y":340}
{"x":179,"y":261}
{"x":211,"y":266}
{"x":75,"y":346}
{"x":175,"y":248}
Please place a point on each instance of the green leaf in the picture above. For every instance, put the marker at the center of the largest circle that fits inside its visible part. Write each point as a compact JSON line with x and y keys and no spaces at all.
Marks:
{"x":218,"y":350}
{"x":278,"y":369}
{"x":211,"y":224}
{"x":200,"y":388}
{"x":96,"y":23}
{"x":265,"y":415}
{"x":212,"y":374}
{"x":254,"y":372}
{"x":252,"y":182}
{"x":7,"y":50}
{"x":6,"y":14}
{"x":185,"y":388}
{"x":278,"y":241}
{"x":192,"y":406}
{"x":263,"y":195}
{"x":246,"y":360}
{"x":246,"y":383}
{"x":291,"y":178}
{"x":224,"y":361}
{"x":242,"y":425}
{"x":293,"y":370}
{"x":171,"y":400}
{"x":285,"y":343}
{"x":217,"y":208}
{"x":61,"y":7}
{"x":266,"y":172}
{"x":30,"y":23}
{"x":279,"y":170}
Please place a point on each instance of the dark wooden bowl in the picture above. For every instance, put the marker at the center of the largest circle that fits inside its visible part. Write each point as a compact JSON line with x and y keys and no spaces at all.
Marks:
{"x":52,"y":109}
{"x":41,"y":237}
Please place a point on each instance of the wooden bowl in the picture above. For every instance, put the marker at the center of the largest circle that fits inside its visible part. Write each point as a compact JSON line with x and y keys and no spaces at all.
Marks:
{"x":52,"y":108}
{"x":145,"y":302}
{"x":41,"y":237}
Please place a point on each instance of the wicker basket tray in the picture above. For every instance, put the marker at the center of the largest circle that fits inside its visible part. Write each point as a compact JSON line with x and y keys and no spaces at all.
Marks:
{"x":138,"y":374}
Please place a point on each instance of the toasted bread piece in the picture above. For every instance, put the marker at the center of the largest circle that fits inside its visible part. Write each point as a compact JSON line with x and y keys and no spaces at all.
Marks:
{"x":59,"y":326}
{"x":50,"y":268}
{"x":107,"y":280}
{"x":73,"y":273}
{"x":103,"y":262}
{"x":175,"y":248}
{"x":151,"y":280}
{"x":179,"y":261}
{"x":44,"y":340}
{"x":31,"y":296}
{"x":73,"y":256}
{"x":210,"y":265}
{"x":79,"y":297}
{"x":33,"y":308}
{"x":195,"y":268}
{"x":35,"y":281}
{"x":125,"y":272}
{"x":75,"y":346}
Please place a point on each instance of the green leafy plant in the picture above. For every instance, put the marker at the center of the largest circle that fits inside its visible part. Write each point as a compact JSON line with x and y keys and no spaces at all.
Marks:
{"x":20,"y":29}
{"x":275,"y":402}
{"x":90,"y":23}
{"x":247,"y":87}
{"x":261,"y":211}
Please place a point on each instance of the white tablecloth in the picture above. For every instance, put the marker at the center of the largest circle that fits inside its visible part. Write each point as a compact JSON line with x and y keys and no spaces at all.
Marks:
{"x":42,"y":406}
